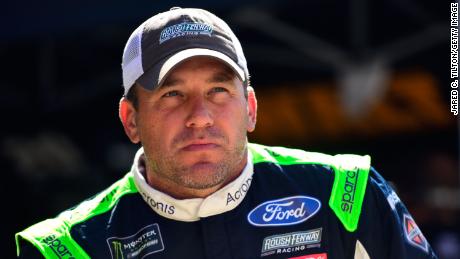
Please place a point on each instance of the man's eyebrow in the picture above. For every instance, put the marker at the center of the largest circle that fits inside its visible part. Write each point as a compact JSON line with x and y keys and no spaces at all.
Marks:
{"x":221,"y":77}
{"x":171,"y":81}
{"x":218,"y":77}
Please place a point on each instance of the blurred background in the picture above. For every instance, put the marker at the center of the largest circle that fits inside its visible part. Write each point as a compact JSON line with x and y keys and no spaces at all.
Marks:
{"x":352,"y":76}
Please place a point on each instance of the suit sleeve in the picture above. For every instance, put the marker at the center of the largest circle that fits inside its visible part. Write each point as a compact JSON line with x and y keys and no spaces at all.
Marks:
{"x":28,"y":251}
{"x":386,"y":228}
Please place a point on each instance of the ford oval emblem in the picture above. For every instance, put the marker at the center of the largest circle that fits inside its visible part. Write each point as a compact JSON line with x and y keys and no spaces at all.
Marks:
{"x":286,"y":211}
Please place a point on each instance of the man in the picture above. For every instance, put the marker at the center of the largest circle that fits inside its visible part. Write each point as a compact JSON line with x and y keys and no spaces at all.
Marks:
{"x":197,"y":189}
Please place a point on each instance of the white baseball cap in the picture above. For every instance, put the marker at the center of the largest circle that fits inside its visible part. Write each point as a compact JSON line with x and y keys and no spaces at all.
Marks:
{"x":166,"y":39}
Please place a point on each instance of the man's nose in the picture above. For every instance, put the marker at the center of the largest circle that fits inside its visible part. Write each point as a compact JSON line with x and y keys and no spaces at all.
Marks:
{"x":200,"y":115}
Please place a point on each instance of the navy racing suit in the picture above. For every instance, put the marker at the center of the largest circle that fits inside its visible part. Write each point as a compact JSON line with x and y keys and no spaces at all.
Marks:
{"x":286,"y":203}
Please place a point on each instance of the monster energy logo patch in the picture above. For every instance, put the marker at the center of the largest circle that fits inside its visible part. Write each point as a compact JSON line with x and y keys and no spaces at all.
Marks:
{"x":146,"y":241}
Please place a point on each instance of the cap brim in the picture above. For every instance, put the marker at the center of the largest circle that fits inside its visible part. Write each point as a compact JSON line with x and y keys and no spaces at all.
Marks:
{"x":155,"y":76}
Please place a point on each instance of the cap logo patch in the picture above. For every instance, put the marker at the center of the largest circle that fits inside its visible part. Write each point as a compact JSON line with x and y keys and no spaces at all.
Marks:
{"x":185,"y":29}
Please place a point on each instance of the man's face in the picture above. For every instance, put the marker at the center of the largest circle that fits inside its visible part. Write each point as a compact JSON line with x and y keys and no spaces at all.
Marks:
{"x":193,"y":128}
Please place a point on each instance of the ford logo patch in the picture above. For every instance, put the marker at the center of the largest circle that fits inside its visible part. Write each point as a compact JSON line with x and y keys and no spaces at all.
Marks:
{"x":286,"y":211}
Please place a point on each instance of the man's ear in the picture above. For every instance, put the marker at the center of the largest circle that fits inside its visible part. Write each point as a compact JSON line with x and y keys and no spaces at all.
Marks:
{"x":252,"y":109}
{"x":127,"y":114}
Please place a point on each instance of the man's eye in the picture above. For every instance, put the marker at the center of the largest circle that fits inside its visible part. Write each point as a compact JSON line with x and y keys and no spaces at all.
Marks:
{"x":218,"y":89}
{"x":171,"y":94}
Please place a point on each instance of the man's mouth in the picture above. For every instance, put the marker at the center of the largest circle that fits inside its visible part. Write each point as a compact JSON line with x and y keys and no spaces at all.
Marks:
{"x":200,"y":146}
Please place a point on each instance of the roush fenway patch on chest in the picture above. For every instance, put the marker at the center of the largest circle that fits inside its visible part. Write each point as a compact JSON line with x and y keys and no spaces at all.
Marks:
{"x":291,"y":242}
{"x":146,"y":241}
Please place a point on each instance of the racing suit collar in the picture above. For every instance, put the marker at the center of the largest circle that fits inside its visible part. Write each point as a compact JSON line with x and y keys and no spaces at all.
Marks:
{"x":223,"y":200}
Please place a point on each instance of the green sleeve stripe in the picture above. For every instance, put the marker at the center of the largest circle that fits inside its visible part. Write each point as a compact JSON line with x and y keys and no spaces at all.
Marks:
{"x":52,"y":237}
{"x":101,"y":203}
{"x":351,"y":174}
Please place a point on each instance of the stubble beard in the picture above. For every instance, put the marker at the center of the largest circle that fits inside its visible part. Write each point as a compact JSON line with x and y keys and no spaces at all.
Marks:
{"x":166,"y":166}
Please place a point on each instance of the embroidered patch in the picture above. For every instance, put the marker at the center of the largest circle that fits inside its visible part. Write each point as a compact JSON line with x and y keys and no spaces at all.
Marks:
{"x":144,"y":242}
{"x":185,"y":29}
{"x":286,"y":211}
{"x":413,"y":234}
{"x":291,"y":242}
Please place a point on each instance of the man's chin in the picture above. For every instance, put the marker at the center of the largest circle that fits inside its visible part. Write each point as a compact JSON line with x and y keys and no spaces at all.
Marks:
{"x":203,"y":168}
{"x":203,"y":175}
